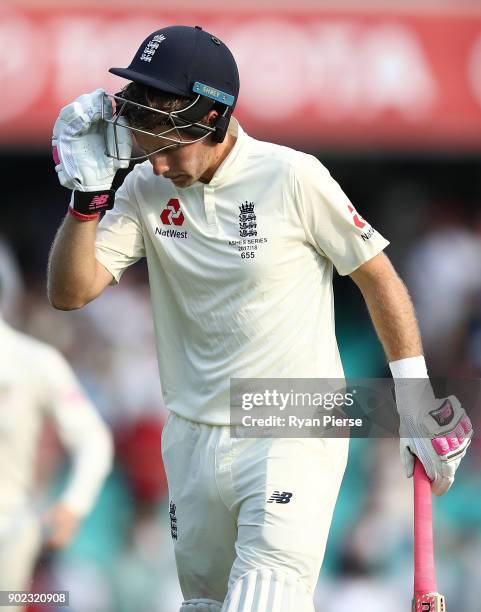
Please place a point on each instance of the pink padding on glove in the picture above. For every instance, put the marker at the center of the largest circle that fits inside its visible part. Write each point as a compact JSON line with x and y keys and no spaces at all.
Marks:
{"x":56,"y":158}
{"x":446,"y":444}
{"x":441,"y":446}
{"x":453,"y":440}
{"x":466,"y":424}
{"x":459,"y":431}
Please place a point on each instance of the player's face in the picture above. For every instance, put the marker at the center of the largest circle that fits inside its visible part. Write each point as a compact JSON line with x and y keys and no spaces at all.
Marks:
{"x":182,"y":164}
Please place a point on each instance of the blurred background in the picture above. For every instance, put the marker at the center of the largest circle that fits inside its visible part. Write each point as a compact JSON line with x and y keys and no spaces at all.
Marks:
{"x":387,"y":95}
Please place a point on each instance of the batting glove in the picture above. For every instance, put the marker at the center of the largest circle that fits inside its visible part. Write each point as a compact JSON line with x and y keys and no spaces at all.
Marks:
{"x":437,"y":431}
{"x":79,"y":146}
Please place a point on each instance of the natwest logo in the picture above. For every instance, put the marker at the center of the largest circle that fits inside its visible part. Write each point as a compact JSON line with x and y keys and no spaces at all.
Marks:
{"x":356,"y":217}
{"x":172,"y":215}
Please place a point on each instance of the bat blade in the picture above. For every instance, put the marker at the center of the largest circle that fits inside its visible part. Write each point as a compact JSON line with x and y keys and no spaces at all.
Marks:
{"x":426,"y":598}
{"x":429,"y":602}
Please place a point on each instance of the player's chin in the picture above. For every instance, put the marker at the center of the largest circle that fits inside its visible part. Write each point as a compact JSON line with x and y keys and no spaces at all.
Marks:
{"x":183,"y":180}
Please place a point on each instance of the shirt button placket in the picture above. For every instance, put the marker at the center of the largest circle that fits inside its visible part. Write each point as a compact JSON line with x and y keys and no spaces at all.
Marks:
{"x":209,"y":205}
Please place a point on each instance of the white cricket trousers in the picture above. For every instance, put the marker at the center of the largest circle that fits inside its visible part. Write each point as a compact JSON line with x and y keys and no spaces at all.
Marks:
{"x":20,"y":542}
{"x":241,"y":507}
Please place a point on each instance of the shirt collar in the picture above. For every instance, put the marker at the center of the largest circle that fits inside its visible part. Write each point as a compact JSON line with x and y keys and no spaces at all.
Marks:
{"x":234,"y":159}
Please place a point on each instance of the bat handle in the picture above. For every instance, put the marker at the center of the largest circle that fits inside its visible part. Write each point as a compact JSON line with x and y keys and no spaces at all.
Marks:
{"x":424,"y":570}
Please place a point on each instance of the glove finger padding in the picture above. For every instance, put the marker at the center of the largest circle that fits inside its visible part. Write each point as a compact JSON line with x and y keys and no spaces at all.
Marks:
{"x":439,"y":438}
{"x":76,"y":118}
{"x":443,"y":483}
{"x":79,"y":143}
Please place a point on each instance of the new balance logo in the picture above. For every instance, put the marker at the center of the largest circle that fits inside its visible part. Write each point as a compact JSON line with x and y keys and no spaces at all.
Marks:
{"x":99,"y":201}
{"x":280,"y":498}
{"x":444,"y":414}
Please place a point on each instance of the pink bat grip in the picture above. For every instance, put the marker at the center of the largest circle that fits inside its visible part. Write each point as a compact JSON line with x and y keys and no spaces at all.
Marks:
{"x":424,"y":570}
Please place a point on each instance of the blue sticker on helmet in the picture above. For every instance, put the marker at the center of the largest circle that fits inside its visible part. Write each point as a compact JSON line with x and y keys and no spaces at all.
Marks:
{"x":213,"y":93}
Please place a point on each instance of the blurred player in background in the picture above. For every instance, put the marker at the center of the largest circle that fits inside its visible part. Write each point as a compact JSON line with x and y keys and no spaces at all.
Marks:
{"x":36,"y":384}
{"x":241,"y":238}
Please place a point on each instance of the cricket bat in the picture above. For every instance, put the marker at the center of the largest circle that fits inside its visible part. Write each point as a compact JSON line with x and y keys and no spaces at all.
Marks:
{"x":426,"y":598}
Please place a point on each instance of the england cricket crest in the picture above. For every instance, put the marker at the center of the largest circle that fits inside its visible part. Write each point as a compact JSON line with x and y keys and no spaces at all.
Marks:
{"x":247,"y":220}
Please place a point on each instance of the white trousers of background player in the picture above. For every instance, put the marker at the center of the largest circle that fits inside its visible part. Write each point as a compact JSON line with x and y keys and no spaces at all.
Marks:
{"x":250,"y":517}
{"x":20,"y":540}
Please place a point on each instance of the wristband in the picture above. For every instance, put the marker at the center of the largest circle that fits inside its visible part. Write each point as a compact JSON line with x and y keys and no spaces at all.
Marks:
{"x":410,"y":367}
{"x":82,"y":217}
{"x":90,"y":203}
{"x":413,"y":389}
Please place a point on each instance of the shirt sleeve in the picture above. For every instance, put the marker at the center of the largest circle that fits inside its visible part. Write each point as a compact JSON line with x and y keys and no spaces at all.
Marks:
{"x":80,"y":429}
{"x":119,"y":242}
{"x":332,"y":224}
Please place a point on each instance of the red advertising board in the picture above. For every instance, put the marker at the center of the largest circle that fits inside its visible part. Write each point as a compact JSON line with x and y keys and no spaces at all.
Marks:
{"x":313,"y":77}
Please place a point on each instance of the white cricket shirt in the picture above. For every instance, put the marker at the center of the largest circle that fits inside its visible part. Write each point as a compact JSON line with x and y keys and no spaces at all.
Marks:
{"x":36,"y":382}
{"x":240,"y":270}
